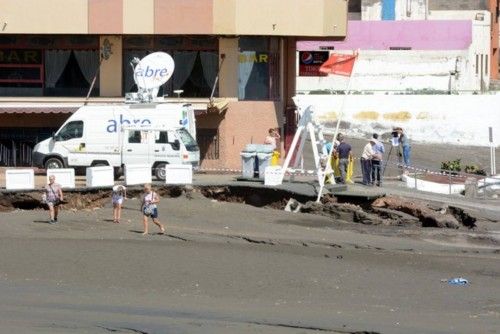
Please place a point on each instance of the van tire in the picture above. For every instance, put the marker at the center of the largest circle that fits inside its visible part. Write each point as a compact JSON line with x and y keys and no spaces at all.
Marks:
{"x":53,"y":163}
{"x":160,"y":171}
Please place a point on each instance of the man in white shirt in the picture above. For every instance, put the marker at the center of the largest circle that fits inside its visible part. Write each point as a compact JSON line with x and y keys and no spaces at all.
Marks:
{"x":366,"y":161}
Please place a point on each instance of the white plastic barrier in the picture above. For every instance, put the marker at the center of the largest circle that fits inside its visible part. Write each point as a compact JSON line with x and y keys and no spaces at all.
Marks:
{"x":433,"y":187}
{"x":137,"y":174}
{"x":100,"y":176}
{"x":19,"y":179}
{"x":64,"y":176}
{"x":493,"y":181}
{"x":272,"y":176}
{"x":179,"y":174}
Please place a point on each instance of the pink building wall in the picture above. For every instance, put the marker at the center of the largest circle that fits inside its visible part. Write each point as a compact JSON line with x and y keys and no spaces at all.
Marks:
{"x":381,"y":35}
{"x":105,"y":16}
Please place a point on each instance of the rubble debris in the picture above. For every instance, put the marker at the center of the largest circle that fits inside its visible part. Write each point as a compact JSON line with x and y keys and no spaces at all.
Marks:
{"x":464,"y":217}
{"x":293,"y":206}
{"x":401,"y":217}
{"x":427,"y":216}
{"x":344,"y":212}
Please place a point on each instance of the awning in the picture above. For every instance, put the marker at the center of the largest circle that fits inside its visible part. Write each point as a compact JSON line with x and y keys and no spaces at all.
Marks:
{"x":37,"y":110}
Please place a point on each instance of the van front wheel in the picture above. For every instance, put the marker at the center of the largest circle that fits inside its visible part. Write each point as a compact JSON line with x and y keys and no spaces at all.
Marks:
{"x":53,"y":163}
{"x":160,"y":172}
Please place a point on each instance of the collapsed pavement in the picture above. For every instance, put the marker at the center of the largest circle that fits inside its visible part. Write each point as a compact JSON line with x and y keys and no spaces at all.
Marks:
{"x":386,"y":210}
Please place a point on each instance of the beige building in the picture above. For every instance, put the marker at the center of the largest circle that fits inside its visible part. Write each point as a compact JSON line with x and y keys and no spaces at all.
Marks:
{"x":52,"y":50}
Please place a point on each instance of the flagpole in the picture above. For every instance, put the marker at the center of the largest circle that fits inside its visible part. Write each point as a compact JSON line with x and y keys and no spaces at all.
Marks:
{"x":328,"y":167}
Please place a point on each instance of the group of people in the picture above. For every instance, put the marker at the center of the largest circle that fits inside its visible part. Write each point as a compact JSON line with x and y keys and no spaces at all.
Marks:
{"x":53,"y":197}
{"x":372,"y":156}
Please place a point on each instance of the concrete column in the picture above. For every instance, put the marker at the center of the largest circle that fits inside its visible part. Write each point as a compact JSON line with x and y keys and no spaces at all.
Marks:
{"x":228,"y":78}
{"x":290,"y":70}
{"x":110,"y":76}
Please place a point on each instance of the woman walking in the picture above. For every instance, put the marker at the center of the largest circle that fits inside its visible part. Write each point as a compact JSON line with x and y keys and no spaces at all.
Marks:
{"x":119,"y":194}
{"x":150,"y":209}
{"x":53,"y":197}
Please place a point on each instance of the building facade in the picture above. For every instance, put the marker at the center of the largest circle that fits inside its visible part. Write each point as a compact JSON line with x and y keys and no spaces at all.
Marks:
{"x":414,"y":46}
{"x":53,"y":51}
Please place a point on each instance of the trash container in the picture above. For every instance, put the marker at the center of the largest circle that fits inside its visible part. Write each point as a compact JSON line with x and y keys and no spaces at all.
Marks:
{"x":248,"y":164}
{"x":264,"y":161}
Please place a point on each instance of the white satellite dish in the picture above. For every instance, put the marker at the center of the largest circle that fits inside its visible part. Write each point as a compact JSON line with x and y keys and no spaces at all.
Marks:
{"x":153,"y":70}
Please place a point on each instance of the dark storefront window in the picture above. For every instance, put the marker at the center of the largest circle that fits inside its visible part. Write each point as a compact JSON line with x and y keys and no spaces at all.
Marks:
{"x":16,"y":144}
{"x":196,"y":62}
{"x":47,"y":65}
{"x":258,"y":77}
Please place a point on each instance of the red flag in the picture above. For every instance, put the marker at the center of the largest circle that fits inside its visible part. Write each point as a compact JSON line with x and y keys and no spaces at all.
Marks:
{"x":340,"y":64}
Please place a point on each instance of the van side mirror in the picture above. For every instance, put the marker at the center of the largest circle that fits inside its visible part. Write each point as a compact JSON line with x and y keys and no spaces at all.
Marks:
{"x":176,"y":145}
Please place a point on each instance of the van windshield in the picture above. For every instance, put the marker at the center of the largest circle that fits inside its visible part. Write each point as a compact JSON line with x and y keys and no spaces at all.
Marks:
{"x":187,"y":140}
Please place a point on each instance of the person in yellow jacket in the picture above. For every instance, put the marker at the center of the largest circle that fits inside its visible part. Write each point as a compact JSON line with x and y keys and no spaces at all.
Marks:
{"x":342,"y":162}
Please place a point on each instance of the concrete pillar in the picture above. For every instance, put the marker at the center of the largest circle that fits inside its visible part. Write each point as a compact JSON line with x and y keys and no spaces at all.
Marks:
{"x":290,"y":70}
{"x":228,"y":78}
{"x":494,"y":40}
{"x":110,"y":76}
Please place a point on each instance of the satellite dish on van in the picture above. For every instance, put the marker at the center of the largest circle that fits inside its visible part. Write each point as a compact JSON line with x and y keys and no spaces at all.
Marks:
{"x":153,"y":70}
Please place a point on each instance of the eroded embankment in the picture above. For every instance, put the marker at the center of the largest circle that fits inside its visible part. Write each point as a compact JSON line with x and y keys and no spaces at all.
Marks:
{"x":382,"y":211}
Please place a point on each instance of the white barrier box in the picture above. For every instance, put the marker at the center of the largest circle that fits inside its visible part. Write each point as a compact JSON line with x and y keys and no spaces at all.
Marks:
{"x":64,"y":176}
{"x":179,"y":174}
{"x":272,"y":176}
{"x":19,"y":179}
{"x":137,"y":174}
{"x":493,"y":181}
{"x":100,"y":176}
{"x":433,"y":187}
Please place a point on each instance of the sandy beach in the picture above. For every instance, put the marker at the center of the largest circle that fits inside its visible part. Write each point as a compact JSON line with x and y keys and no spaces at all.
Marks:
{"x":232,"y":268}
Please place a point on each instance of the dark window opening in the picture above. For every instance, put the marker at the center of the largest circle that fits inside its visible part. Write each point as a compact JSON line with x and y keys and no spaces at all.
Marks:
{"x":196,"y":63}
{"x":134,"y":137}
{"x":16,"y":144}
{"x":354,"y":6}
{"x":258,"y":77}
{"x":399,"y":48}
{"x":71,"y":80}
{"x":48,"y":65}
{"x":162,"y":138}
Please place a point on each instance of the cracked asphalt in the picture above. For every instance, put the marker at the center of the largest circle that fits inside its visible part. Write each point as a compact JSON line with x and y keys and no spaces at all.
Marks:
{"x":233,"y":268}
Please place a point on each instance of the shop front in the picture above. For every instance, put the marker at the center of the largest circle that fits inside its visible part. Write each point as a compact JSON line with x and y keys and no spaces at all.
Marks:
{"x":235,"y":62}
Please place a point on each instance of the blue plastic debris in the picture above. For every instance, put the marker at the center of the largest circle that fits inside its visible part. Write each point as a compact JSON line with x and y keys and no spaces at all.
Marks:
{"x":458,"y":281}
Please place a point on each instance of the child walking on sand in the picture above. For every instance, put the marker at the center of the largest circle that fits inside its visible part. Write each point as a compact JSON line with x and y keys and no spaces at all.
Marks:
{"x":119,"y":194}
{"x":149,"y":209}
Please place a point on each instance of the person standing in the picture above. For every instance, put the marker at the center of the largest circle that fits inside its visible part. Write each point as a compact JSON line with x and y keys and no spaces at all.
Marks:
{"x":404,"y":142}
{"x":273,"y":138}
{"x":118,"y":196}
{"x":366,"y":162}
{"x":149,"y":208}
{"x":378,"y":156}
{"x":53,"y":197}
{"x":344,"y":154}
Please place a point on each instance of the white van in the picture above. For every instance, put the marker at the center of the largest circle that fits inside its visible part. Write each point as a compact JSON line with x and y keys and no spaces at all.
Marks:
{"x":116,"y":135}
